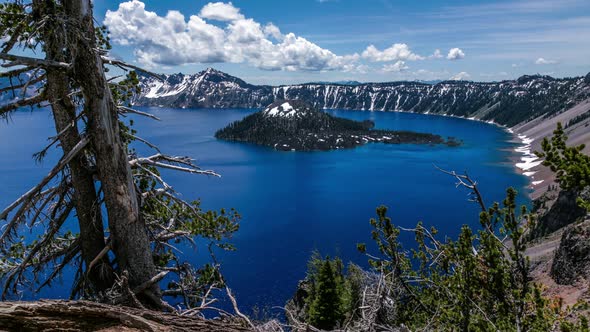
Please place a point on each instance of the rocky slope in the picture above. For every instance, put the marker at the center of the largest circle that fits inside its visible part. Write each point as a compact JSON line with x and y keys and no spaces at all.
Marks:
{"x":508,"y":102}
{"x":298,"y":126}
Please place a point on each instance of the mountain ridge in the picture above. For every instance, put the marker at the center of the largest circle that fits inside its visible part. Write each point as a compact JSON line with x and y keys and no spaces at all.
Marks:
{"x":508,"y":102}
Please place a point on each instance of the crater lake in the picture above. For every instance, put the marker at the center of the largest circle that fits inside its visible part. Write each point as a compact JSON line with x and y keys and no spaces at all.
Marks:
{"x":293,"y":203}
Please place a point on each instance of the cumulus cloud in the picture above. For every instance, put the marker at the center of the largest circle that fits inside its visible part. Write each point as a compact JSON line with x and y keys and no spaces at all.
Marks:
{"x":394,"y":53}
{"x":174,"y":40}
{"x":221,"y":12}
{"x":272,"y":30}
{"x":543,"y":61}
{"x":397,"y":67}
{"x":436,"y":55}
{"x":460,"y":76}
{"x":455,"y":54}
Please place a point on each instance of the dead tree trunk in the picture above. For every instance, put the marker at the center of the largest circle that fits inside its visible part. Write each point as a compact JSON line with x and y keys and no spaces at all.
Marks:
{"x":129,"y":237}
{"x":64,"y":114}
{"x":59,"y":315}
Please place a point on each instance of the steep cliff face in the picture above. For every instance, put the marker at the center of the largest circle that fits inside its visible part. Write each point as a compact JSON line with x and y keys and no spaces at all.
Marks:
{"x":506,"y":102}
{"x":572,"y":259}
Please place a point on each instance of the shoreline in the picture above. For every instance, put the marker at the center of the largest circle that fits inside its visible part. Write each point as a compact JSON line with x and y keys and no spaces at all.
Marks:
{"x":523,"y":159}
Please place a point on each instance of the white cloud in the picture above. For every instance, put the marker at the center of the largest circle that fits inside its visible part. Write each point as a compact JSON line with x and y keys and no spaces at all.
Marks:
{"x":499,"y":74}
{"x":543,"y":61}
{"x":436,"y":55}
{"x":172,"y":40}
{"x":272,"y":30}
{"x":394,"y":53}
{"x":424,"y":74}
{"x":221,"y":12}
{"x":460,"y":76}
{"x":455,"y":54}
{"x":397,"y":67}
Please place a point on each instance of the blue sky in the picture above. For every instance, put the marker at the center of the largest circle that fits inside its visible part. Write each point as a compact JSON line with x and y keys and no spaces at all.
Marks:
{"x":283,"y":42}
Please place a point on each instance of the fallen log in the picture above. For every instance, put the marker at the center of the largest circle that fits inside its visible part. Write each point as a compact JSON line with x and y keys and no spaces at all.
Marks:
{"x":60,"y":315}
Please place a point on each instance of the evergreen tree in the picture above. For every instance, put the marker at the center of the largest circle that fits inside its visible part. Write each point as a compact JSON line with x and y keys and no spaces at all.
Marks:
{"x":476,"y":283}
{"x":570,"y":165}
{"x":325,"y":311}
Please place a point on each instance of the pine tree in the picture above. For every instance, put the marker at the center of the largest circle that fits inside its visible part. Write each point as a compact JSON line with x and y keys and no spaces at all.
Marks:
{"x":570,"y":165}
{"x":325,"y":309}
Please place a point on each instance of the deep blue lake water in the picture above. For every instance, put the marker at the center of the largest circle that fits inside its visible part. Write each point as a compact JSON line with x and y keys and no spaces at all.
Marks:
{"x":295,"y":202}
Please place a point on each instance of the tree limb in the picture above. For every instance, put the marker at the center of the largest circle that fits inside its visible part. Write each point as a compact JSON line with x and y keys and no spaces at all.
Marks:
{"x":26,"y":198}
{"x":48,"y":237}
{"x":17,"y":60}
{"x":15,"y":72}
{"x":125,"y":109}
{"x":22,"y":102}
{"x":122,"y":64}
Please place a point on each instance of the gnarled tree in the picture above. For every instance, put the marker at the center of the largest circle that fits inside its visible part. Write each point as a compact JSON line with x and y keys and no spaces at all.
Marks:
{"x":124,"y":262}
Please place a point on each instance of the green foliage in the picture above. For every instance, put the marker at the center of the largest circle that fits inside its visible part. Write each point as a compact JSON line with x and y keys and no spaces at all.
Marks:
{"x":325,"y":309}
{"x":577,"y":119}
{"x":580,"y":326}
{"x":570,"y":165}
{"x":333,"y":294}
{"x":15,"y":21}
{"x":124,"y":90}
{"x":474,"y":283}
{"x":103,"y":40}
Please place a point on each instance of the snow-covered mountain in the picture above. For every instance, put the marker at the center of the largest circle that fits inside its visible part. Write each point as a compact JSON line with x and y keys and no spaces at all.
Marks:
{"x":507,"y":102}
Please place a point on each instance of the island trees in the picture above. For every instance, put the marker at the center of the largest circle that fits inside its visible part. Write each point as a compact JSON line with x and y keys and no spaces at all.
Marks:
{"x":124,"y":262}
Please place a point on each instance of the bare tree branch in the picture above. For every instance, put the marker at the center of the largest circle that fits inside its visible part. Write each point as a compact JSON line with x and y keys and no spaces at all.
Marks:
{"x":17,"y":60}
{"x":15,"y":72}
{"x":22,"y":102}
{"x":146,"y":285}
{"x":467,"y":182}
{"x":68,"y":254}
{"x":156,"y":160}
{"x":122,"y":65}
{"x":24,"y":86}
{"x":125,"y":109}
{"x":237,"y":310}
{"x":29,"y":257}
{"x":29,"y":195}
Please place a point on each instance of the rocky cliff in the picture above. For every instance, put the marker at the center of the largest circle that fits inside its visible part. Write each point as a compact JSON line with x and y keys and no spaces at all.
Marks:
{"x":507,"y":102}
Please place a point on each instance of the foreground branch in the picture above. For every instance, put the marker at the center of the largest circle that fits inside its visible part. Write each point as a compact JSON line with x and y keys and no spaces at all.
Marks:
{"x":124,"y":65}
{"x":29,"y":195}
{"x":35,"y":100}
{"x":90,"y":316}
{"x":16,"y":60}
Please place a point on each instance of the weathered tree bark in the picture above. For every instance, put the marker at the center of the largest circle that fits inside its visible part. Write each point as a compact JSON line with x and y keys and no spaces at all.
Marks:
{"x":56,"y":315}
{"x":64,"y":114}
{"x":129,"y":237}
